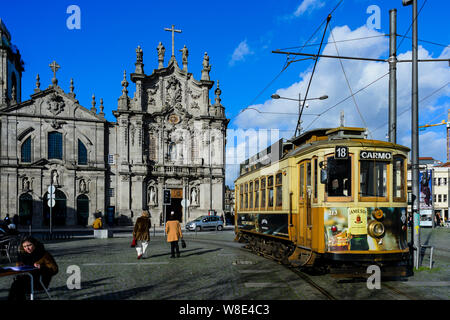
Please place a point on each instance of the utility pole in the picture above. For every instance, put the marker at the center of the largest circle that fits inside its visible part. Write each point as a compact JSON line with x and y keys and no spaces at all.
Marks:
{"x":393,"y":76}
{"x":415,"y":136}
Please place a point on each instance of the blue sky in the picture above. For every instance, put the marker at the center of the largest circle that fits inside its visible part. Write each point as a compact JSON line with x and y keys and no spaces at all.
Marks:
{"x":239,"y":37}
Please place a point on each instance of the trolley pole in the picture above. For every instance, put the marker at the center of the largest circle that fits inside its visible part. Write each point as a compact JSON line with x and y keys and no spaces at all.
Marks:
{"x":393,"y":76}
{"x":415,"y":136}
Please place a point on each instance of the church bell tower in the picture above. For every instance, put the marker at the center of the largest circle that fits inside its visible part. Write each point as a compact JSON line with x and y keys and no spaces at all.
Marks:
{"x":11,"y":68}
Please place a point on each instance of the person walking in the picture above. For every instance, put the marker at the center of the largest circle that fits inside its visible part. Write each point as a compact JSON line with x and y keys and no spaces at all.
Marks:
{"x":173,"y":231}
{"x":141,"y":233}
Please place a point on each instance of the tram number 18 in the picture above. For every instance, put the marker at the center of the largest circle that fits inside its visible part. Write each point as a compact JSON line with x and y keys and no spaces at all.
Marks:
{"x":341,"y":152}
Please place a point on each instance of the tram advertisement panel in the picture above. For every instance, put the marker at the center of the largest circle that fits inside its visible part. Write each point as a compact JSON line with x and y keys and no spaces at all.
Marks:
{"x":356,"y":229}
{"x":275,"y":224}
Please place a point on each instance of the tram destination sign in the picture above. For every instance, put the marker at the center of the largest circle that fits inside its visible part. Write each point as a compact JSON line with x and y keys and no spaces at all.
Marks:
{"x":375,"y":155}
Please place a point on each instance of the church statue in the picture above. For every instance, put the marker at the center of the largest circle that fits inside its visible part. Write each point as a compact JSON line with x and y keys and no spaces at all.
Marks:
{"x":206,"y":67}
{"x":83,"y":187}
{"x":55,"y":178}
{"x":161,"y":53}
{"x":152,"y":196}
{"x":185,"y":54}
{"x":194,"y":199}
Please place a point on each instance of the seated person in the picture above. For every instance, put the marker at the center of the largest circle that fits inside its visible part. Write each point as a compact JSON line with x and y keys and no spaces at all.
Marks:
{"x":32,"y":253}
{"x":97,"y":223}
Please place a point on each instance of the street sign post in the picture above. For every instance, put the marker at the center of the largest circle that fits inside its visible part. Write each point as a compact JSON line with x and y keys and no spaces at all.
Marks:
{"x":51,"y":202}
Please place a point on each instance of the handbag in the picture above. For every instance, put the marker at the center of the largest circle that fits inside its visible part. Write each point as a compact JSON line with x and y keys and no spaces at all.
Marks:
{"x":183,"y":243}
{"x":133,"y":243}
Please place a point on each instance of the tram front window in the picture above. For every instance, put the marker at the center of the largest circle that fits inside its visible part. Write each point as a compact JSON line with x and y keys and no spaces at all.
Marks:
{"x":339,"y":177}
{"x":373,"y":178}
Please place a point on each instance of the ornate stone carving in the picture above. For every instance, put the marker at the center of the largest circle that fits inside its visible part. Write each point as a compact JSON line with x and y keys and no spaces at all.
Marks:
{"x":55,"y":104}
{"x":173,"y":93}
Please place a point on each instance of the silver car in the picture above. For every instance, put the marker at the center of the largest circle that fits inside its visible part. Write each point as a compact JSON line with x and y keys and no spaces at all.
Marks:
{"x":205,"y":223}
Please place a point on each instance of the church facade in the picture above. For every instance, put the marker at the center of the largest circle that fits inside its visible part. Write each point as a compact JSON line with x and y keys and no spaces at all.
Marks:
{"x":167,"y":136}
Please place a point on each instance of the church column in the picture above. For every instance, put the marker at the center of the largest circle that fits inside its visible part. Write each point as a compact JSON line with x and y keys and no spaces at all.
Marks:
{"x":137,"y":195}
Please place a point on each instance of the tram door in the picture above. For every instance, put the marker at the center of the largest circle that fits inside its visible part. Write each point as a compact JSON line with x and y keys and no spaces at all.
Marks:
{"x":305,"y":194}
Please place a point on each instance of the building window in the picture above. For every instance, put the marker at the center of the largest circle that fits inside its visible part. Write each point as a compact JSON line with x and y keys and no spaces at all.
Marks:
{"x":444,"y":182}
{"x":82,"y":153}
{"x":25,"y":151}
{"x":55,"y":145}
{"x":439,"y":198}
{"x":444,"y":198}
{"x":111,"y":192}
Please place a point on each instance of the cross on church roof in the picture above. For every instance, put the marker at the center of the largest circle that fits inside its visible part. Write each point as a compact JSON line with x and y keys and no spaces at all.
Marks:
{"x":173,"y":30}
{"x":54,"y":66}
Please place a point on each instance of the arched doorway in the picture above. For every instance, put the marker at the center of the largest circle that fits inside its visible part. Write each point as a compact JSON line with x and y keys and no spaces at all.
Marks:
{"x":25,"y":209}
{"x":82,"y":210}
{"x":59,"y":211}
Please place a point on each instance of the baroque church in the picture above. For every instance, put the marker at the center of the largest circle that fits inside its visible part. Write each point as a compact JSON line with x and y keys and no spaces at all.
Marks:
{"x":167,"y":136}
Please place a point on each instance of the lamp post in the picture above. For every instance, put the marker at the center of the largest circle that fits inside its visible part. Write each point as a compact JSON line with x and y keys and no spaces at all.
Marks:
{"x":300,"y":107}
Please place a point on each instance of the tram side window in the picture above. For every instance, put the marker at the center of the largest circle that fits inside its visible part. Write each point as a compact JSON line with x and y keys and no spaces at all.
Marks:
{"x":250,"y":193}
{"x":315,"y":178}
{"x":241,"y":197}
{"x":399,"y":178}
{"x":263,"y":193}
{"x":246,"y":196}
{"x":279,"y":189}
{"x":270,"y":191}
{"x":339,"y":177}
{"x":373,"y":179}
{"x":256,"y":194}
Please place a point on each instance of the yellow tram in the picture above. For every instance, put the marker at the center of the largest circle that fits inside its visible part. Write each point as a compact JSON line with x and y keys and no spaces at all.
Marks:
{"x":329,"y":197}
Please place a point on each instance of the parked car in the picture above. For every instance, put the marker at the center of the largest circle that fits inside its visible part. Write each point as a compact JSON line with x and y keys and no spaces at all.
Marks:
{"x":205,"y":223}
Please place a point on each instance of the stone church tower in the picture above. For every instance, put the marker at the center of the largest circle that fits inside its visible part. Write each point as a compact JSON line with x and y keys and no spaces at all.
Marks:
{"x":168,"y":136}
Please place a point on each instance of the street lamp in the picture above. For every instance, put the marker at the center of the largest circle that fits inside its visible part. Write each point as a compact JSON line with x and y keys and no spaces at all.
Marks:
{"x":300,"y":107}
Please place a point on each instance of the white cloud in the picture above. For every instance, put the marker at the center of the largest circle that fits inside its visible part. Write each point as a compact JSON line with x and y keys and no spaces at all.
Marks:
{"x":240,"y":52}
{"x":308,"y":5}
{"x":372,"y":102}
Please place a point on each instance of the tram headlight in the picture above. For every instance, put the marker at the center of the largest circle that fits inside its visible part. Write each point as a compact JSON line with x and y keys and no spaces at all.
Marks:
{"x":377,"y":214}
{"x":375,"y":229}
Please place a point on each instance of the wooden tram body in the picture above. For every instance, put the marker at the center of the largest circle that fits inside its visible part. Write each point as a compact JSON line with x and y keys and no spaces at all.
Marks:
{"x":329,"y":197}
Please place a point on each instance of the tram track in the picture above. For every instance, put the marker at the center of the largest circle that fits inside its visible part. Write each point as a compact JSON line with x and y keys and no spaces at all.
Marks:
{"x":296,"y":271}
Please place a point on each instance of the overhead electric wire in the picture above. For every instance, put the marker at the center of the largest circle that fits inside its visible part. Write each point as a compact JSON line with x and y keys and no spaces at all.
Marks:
{"x":409,"y":28}
{"x":345,"y":99}
{"x":287,"y":63}
{"x":348,"y":84}
{"x":409,"y":108}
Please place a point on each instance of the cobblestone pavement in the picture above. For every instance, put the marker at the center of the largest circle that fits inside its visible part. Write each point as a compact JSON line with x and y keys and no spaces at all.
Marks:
{"x":214,"y":267}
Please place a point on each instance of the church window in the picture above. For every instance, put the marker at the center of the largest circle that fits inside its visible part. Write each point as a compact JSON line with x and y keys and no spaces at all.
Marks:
{"x":82,"y":153}
{"x":152,"y":148}
{"x":26,"y":150}
{"x":55,"y":145}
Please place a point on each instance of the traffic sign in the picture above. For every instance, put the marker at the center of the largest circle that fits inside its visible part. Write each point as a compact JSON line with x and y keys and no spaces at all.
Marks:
{"x":51,"y":202}
{"x":51,"y":189}
{"x":185,"y":203}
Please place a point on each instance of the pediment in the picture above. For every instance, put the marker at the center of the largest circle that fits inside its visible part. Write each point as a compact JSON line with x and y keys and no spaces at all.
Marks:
{"x":53,"y":103}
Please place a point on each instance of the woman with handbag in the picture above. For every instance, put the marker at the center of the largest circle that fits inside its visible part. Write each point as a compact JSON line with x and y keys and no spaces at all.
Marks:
{"x":173,"y":231}
{"x":141,"y":234}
